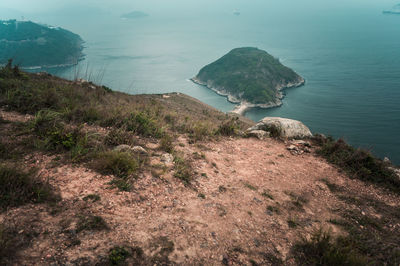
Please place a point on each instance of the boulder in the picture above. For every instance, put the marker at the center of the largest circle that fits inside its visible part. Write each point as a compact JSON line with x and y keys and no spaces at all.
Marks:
{"x":283,"y":127}
{"x":260,"y":134}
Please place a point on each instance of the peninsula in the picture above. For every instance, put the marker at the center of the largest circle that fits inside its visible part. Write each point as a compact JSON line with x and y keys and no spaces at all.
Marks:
{"x":249,"y":77}
{"x":33,"y":45}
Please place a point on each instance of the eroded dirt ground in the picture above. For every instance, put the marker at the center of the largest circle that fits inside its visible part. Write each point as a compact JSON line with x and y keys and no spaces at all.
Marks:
{"x":249,"y":202}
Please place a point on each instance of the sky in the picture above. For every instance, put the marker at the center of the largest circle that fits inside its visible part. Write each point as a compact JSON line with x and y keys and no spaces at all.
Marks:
{"x":38,"y":6}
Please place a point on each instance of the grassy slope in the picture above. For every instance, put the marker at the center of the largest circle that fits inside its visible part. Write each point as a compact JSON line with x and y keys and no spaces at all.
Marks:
{"x":250,"y":71}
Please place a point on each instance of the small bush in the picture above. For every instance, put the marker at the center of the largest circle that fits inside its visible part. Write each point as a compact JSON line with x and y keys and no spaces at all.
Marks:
{"x":90,"y":223}
{"x":199,"y":132}
{"x":18,"y":188}
{"x":121,"y":184}
{"x":322,"y":249}
{"x":55,"y":135}
{"x":360,"y":164}
{"x":183,"y":170}
{"x":118,"y":136}
{"x":166,"y":144}
{"x":229,"y":128}
{"x":120,"y":164}
{"x":118,"y":256}
{"x":142,"y":124}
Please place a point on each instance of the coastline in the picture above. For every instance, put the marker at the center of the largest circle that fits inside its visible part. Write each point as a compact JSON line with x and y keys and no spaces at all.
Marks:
{"x":243,"y":106}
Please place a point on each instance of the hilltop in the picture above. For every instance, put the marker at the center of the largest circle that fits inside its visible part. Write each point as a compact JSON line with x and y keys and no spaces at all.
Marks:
{"x":90,"y":176}
{"x":249,"y":76}
{"x":34,"y":45}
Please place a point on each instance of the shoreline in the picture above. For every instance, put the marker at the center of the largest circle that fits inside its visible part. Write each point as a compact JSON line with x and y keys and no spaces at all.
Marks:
{"x":242,"y":106}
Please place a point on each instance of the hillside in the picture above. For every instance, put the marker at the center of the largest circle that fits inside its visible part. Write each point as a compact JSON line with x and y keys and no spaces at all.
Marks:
{"x":31,"y":45}
{"x":249,"y":75}
{"x":89,"y":176}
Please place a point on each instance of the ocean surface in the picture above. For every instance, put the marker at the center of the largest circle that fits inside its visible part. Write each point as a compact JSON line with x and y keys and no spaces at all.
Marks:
{"x":348,"y":52}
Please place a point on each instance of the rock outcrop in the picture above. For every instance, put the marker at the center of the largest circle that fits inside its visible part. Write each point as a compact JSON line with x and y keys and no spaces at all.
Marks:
{"x":283,"y":127}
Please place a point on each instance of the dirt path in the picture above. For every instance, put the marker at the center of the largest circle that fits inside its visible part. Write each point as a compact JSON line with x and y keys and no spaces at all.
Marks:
{"x":250,"y":201}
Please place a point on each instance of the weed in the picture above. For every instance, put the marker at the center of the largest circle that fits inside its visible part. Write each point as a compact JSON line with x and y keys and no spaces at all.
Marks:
{"x":201,"y":195}
{"x":183,"y":170}
{"x":142,"y":124}
{"x":118,"y":255}
{"x":360,"y":164}
{"x":90,"y":223}
{"x":199,"y":132}
{"x":229,"y":128}
{"x":267,"y":194}
{"x":92,"y":197}
{"x":118,"y":136}
{"x":273,"y":209}
{"x":204,"y":175}
{"x":166,"y":143}
{"x":222,"y":189}
{"x":18,"y":187}
{"x":250,"y":186}
{"x":292,"y":222}
{"x":121,"y":184}
{"x":120,"y":164}
{"x":322,"y":249}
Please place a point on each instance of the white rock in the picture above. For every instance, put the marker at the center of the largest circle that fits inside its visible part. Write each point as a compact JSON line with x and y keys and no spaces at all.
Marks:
{"x":127,"y":148}
{"x":167,"y":158}
{"x":283,"y":127}
{"x":260,"y":134}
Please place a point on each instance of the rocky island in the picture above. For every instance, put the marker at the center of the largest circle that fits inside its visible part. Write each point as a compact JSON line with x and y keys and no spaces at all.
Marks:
{"x":33,"y":45}
{"x":249,"y":77}
{"x":394,"y":11}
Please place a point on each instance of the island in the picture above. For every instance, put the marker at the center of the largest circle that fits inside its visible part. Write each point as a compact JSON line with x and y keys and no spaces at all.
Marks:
{"x":249,"y":77}
{"x":33,"y":45}
{"x":394,"y":11}
{"x":134,"y":14}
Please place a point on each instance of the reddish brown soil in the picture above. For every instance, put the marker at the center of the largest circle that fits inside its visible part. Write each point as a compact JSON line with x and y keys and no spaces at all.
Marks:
{"x":225,"y":216}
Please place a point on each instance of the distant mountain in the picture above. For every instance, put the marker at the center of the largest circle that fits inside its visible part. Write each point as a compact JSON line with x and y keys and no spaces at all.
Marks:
{"x":134,"y":14}
{"x":34,"y":45}
{"x":249,"y":75}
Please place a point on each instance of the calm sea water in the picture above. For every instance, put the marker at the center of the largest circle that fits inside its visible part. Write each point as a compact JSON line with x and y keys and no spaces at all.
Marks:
{"x":348,"y":51}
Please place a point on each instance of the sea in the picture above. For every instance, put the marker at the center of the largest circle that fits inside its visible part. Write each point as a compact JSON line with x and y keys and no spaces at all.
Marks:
{"x":348,"y":52}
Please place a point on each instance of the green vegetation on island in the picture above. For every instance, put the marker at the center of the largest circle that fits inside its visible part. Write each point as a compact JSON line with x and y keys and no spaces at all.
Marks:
{"x":250,"y":75}
{"x":33,"y":45}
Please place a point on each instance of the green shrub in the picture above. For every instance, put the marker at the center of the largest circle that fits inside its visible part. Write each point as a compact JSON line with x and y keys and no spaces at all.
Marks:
{"x":360,"y":164}
{"x":229,"y":128}
{"x":183,"y":170}
{"x":142,"y":124}
{"x":18,"y":187}
{"x":118,"y":136}
{"x":200,"y":131}
{"x":120,"y":164}
{"x":322,"y":249}
{"x":55,"y":135}
{"x":121,"y":184}
{"x":166,"y":143}
{"x":118,"y":255}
